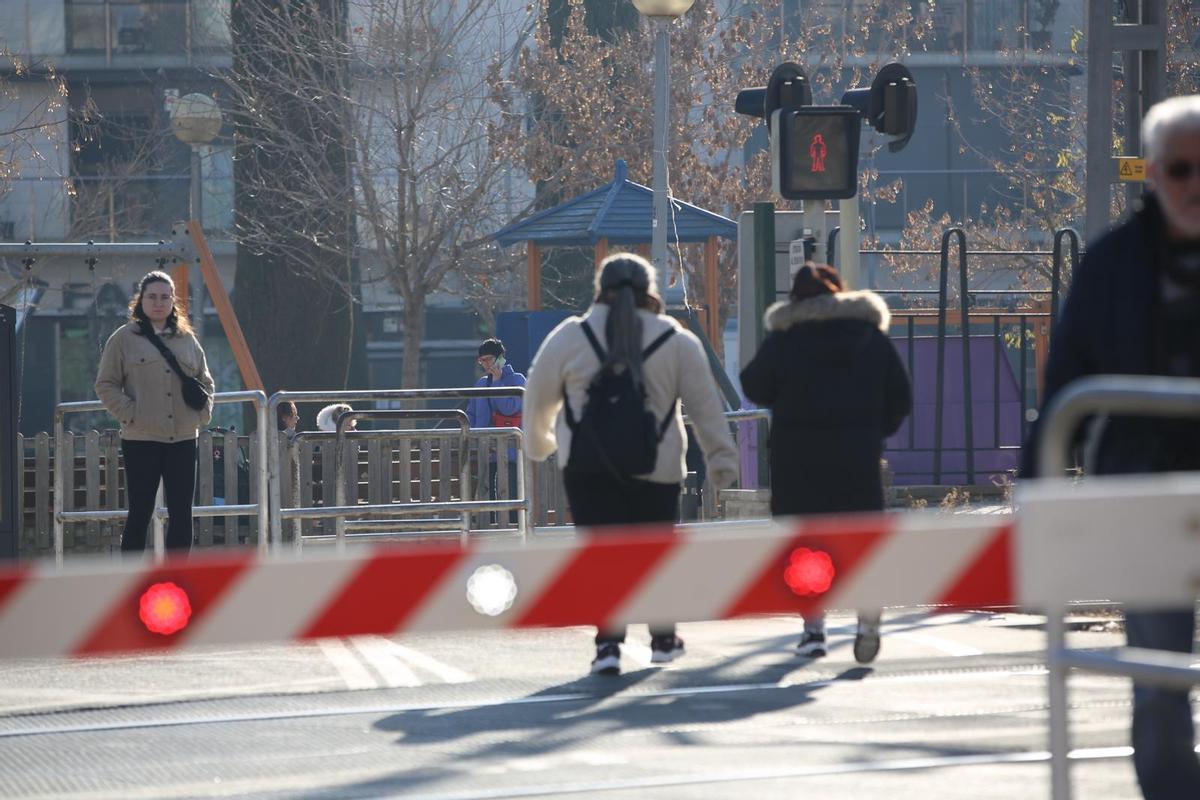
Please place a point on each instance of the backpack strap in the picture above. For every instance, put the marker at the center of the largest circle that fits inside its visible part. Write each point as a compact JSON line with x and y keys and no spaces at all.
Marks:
{"x":657,"y":343}
{"x":666,"y":423}
{"x":593,"y":341}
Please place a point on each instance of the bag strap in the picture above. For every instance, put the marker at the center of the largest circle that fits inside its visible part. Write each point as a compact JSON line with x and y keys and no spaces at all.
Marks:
{"x":148,"y":332}
{"x":657,"y":343}
{"x":593,"y":341}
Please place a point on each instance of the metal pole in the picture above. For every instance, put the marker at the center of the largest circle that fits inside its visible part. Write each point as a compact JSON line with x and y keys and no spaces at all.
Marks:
{"x":195,"y":206}
{"x":848,"y":258}
{"x":672,"y":295}
{"x":1060,"y":740}
{"x":264,"y":441}
{"x":1099,"y":118}
{"x":59,"y":466}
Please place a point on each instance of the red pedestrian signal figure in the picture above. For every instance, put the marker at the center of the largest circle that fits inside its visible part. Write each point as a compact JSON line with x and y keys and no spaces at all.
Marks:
{"x":817,"y":152}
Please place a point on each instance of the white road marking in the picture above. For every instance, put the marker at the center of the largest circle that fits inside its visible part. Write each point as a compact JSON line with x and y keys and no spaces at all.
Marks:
{"x":848,"y":768}
{"x":392,"y":671}
{"x":639,"y":653}
{"x":352,"y":672}
{"x":428,"y":663}
{"x":942,"y":645}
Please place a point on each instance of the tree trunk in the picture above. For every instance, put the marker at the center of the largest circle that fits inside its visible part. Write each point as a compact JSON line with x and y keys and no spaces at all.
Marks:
{"x":414,"y":334}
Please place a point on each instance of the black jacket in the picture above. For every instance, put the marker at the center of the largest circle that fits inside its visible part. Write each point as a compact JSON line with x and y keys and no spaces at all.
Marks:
{"x":836,"y":388}
{"x":1109,"y":326}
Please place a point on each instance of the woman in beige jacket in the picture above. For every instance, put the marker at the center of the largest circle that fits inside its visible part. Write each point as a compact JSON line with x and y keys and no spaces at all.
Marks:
{"x":158,"y":429}
{"x":669,"y":365}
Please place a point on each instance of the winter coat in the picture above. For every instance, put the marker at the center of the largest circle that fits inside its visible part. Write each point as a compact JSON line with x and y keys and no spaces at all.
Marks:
{"x":1109,"y":326}
{"x":836,"y":388}
{"x":143,"y":393}
{"x":678,"y":370}
{"x":479,"y":409}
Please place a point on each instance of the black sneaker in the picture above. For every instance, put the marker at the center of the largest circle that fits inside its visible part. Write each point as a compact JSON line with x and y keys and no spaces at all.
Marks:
{"x":607,"y":660}
{"x":812,"y":645}
{"x":866,"y":641}
{"x":665,"y":649}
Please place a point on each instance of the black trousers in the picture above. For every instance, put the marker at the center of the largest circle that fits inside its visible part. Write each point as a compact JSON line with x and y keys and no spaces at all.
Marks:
{"x":600,"y":499}
{"x":494,"y":487}
{"x":145,"y":464}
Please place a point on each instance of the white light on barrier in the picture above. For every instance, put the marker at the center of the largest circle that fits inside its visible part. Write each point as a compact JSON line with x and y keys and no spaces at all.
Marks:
{"x":491,"y":590}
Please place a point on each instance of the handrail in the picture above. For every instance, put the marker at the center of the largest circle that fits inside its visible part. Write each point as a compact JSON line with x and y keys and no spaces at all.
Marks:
{"x":273,"y":466}
{"x":1109,"y":394}
{"x":257,"y":398}
{"x":1101,"y":394}
{"x":464,"y":478}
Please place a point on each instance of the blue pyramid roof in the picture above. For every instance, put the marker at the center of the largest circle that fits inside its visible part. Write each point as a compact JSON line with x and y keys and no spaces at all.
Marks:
{"x":620,"y":211}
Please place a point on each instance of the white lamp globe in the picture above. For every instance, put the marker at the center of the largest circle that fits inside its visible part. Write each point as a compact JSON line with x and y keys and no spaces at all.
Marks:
{"x":663,"y":8}
{"x":195,"y":119}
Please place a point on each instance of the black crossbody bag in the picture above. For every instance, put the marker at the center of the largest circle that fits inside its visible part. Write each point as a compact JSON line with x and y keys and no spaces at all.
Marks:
{"x":194,"y":392}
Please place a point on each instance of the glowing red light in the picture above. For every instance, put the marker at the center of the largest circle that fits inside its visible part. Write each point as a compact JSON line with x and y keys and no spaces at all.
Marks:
{"x":817,"y":151}
{"x":809,"y":572}
{"x":165,"y":609}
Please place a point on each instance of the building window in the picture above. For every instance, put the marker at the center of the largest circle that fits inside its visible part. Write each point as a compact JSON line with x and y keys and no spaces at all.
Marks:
{"x":118,"y":28}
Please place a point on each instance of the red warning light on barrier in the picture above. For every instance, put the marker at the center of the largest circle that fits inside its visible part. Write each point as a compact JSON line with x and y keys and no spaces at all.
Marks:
{"x":809,"y":572}
{"x":165,"y":609}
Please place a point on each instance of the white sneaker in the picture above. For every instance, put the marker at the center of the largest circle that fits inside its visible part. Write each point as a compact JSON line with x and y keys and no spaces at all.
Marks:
{"x":812,"y":645}
{"x":665,"y":649}
{"x":607,"y":660}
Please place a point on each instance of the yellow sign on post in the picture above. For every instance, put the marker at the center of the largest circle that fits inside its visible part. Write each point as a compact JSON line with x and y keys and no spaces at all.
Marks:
{"x":1131,"y":169}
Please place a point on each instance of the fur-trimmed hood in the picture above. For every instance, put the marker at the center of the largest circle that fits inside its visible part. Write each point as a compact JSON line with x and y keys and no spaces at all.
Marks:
{"x":861,"y":305}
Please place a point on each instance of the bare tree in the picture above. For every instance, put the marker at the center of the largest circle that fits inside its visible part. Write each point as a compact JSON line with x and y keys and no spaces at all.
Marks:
{"x":398,"y":91}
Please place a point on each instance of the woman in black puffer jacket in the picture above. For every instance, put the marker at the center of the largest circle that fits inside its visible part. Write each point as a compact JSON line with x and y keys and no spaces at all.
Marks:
{"x":836,"y":388}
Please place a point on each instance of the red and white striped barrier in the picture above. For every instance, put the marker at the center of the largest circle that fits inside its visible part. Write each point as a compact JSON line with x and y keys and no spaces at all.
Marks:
{"x":647,"y":575}
{"x":1135,"y":541}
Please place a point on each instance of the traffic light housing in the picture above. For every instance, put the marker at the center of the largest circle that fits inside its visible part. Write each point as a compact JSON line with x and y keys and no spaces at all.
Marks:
{"x":889,"y":105}
{"x":814,"y":152}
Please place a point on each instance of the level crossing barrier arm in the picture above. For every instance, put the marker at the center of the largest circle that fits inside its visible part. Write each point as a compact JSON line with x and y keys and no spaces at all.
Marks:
{"x":1131,"y":396}
{"x":64,"y":460}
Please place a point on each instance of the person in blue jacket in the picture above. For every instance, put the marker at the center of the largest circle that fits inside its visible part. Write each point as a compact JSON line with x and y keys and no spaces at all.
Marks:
{"x":497,"y":412}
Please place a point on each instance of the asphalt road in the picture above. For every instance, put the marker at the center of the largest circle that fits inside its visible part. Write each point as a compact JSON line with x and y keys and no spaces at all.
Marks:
{"x":955,"y":707}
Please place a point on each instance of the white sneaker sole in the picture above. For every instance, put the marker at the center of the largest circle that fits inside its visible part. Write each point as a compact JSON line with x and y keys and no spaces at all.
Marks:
{"x":609,"y":665}
{"x":664,"y":656}
{"x":811,"y":651}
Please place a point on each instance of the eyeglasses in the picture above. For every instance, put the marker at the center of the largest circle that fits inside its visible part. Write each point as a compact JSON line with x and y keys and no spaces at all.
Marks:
{"x":1181,"y":170}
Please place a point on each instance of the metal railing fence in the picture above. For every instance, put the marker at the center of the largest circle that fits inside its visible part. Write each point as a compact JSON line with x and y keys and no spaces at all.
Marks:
{"x":62,"y":462}
{"x":278,"y":514}
{"x":1103,"y":394}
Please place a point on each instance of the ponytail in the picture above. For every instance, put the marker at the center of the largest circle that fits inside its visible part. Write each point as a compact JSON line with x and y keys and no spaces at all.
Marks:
{"x":626,"y":283}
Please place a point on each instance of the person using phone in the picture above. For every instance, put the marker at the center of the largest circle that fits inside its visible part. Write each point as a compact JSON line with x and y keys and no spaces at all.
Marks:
{"x":497,"y":412}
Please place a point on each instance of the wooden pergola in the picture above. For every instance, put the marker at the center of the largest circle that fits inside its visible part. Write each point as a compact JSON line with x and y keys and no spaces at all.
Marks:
{"x":617,"y":216}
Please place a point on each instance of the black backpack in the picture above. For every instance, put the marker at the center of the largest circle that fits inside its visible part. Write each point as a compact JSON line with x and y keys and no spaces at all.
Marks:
{"x":617,"y":434}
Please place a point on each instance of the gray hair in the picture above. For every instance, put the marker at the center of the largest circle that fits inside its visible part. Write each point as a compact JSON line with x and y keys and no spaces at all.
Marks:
{"x":1172,"y":115}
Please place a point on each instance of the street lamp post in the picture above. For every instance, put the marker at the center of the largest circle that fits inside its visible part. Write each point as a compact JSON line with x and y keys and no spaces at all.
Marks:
{"x":663,"y":13}
{"x":196,"y":121}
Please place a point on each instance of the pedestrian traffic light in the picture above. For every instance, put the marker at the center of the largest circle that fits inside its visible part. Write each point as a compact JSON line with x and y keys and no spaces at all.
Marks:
{"x":814,"y":152}
{"x":889,"y":105}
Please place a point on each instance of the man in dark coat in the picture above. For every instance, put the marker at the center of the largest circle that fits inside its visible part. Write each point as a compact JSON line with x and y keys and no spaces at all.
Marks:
{"x":836,"y":388}
{"x":1134,"y":309}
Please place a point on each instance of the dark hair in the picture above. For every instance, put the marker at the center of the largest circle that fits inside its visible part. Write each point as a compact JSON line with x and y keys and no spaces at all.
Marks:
{"x":285,"y":409}
{"x":176,"y":321}
{"x":625,"y":283}
{"x":814,"y":281}
{"x":491,"y":347}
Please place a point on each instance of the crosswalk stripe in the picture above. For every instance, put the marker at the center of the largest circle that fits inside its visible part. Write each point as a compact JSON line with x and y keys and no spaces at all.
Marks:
{"x":428,"y":663}
{"x":352,"y":672}
{"x":392,"y":670}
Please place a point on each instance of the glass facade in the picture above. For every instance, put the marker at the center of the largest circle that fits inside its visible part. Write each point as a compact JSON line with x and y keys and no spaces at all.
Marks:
{"x":127,"y":27}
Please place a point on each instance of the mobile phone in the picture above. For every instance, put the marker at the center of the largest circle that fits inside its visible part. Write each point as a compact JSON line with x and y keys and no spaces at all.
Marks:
{"x":500,"y":362}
